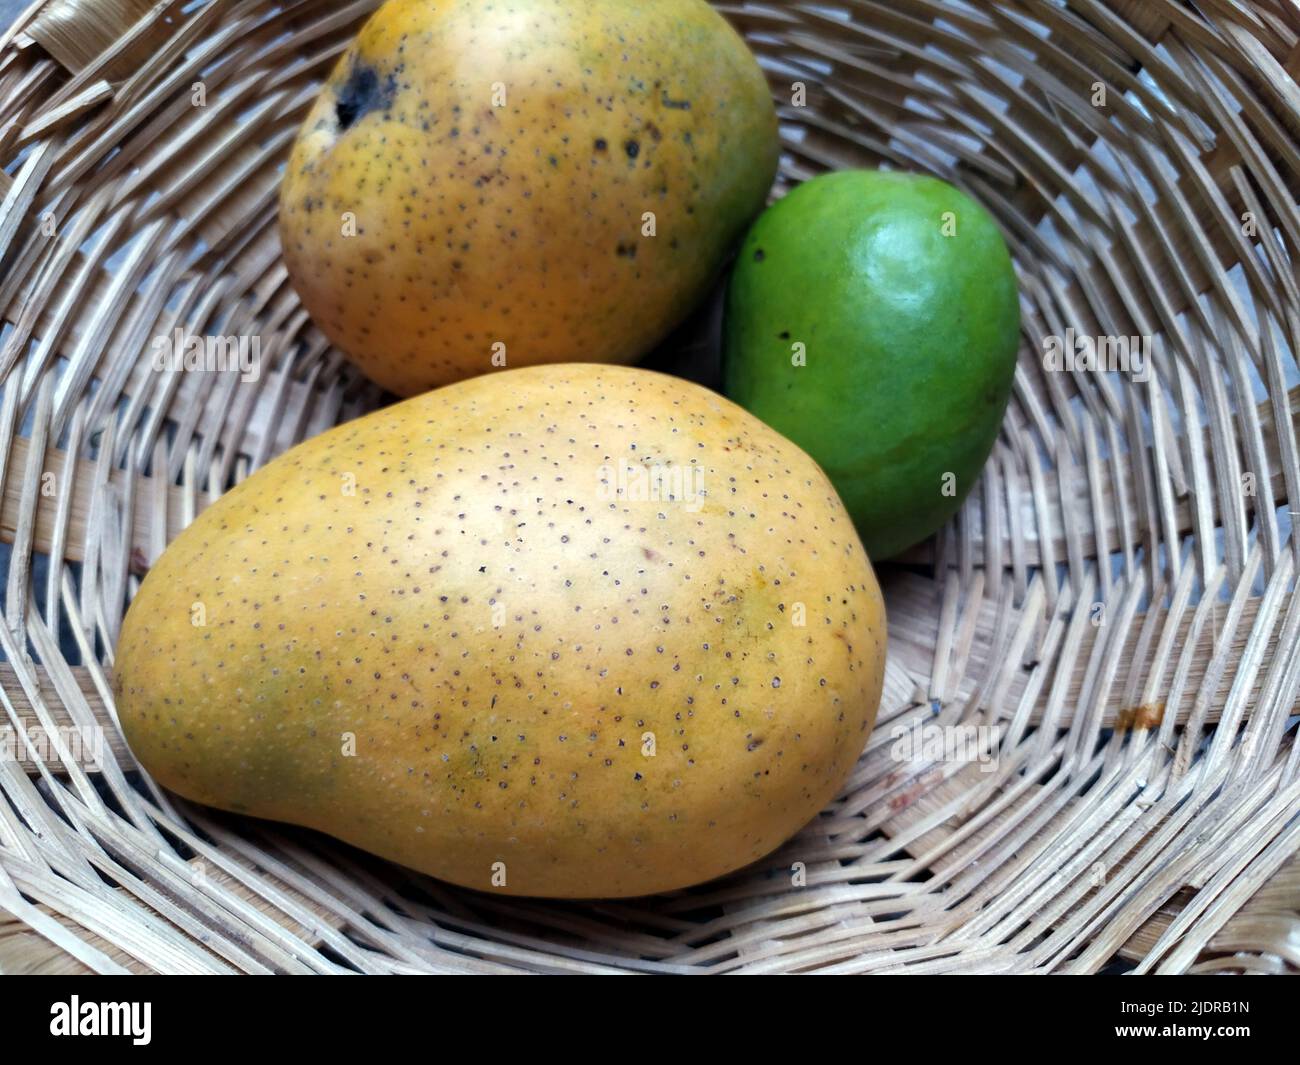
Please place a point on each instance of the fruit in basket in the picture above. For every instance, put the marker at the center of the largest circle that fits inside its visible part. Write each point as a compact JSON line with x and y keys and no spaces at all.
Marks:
{"x":485,"y":185}
{"x":572,"y":630}
{"x":873,"y":318}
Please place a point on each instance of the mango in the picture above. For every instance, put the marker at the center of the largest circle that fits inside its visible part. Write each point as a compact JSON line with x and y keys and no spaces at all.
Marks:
{"x":517,"y":182}
{"x":873,"y":318}
{"x":571,"y":630}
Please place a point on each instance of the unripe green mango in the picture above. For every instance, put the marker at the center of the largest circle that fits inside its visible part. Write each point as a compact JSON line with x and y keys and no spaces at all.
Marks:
{"x":574,"y":630}
{"x":873,"y":318}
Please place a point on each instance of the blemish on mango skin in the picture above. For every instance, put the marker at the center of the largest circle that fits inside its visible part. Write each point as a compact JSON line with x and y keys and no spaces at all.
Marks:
{"x":361,"y":93}
{"x":490,"y":630}
{"x":523,"y":224}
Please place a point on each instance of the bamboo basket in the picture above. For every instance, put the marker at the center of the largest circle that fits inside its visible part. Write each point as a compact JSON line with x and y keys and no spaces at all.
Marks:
{"x":1112,"y":615}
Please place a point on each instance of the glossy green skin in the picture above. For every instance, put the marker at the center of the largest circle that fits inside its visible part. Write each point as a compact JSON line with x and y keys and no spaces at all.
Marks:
{"x":910,"y":340}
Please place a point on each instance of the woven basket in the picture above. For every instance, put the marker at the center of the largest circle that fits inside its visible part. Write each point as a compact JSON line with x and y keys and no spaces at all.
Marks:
{"x":1111,"y":618}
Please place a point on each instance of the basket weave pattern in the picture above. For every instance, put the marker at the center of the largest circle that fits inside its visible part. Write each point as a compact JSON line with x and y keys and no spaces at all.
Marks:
{"x":1113,"y":614}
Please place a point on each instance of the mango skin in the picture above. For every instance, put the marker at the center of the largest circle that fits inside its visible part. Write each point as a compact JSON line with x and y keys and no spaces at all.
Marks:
{"x":522,"y":225}
{"x":501,"y":633}
{"x":910,"y":334}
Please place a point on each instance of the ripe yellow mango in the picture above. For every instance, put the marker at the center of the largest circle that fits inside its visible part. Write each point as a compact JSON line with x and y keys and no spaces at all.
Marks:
{"x":572,"y":630}
{"x":507,"y":183}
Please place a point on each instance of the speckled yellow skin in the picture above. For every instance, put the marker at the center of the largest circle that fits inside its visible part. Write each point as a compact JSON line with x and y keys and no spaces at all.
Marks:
{"x":501,"y":631}
{"x":522,"y":225}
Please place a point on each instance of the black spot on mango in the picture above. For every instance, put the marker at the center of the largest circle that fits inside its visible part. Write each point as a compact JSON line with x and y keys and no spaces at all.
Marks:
{"x":361,"y":94}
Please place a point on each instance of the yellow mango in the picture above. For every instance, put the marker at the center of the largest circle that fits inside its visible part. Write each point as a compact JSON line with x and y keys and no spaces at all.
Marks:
{"x":507,"y":183}
{"x":571,"y":630}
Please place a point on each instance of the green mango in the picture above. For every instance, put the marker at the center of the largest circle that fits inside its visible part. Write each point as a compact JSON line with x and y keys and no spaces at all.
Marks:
{"x":873,"y":318}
